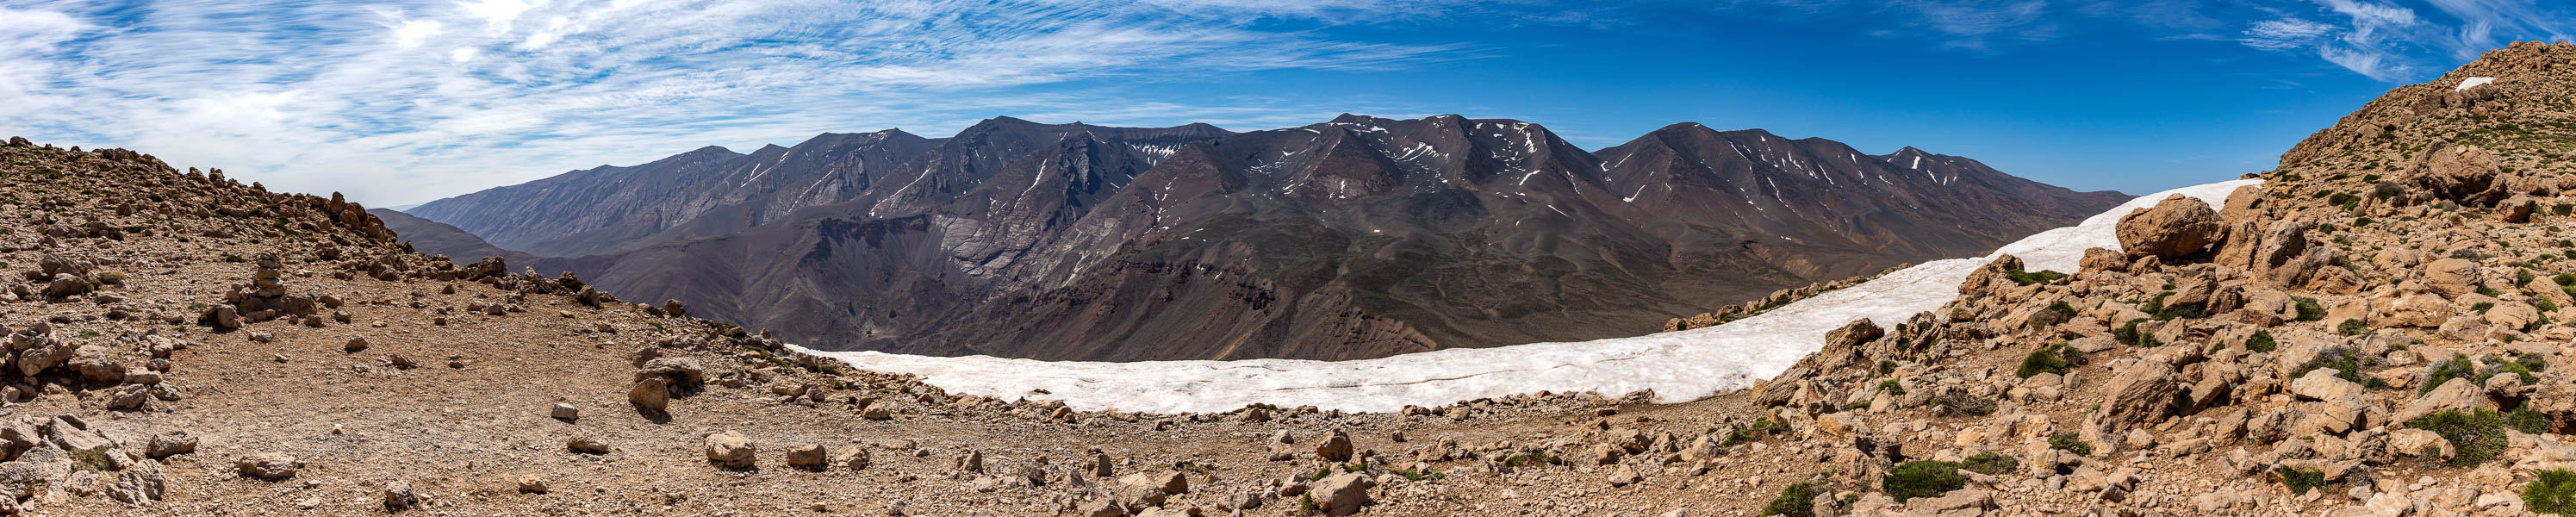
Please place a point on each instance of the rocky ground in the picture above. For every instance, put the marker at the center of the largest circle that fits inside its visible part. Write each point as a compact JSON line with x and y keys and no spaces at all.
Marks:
{"x":2379,"y":330}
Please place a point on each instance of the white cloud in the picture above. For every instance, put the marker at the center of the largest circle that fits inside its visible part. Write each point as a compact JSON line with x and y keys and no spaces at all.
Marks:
{"x":407,"y":101}
{"x":2285,"y":33}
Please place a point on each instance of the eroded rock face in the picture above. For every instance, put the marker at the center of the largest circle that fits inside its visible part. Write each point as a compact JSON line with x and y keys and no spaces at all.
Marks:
{"x":2178,"y":226}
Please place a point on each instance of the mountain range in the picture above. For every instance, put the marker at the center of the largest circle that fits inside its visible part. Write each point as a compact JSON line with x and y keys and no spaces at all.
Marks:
{"x":1358,"y":237}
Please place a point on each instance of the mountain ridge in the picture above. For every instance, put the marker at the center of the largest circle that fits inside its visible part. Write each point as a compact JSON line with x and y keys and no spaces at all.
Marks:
{"x":1356,"y":237}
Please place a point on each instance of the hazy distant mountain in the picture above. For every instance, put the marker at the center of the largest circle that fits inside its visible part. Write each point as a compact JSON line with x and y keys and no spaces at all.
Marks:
{"x":436,"y":238}
{"x":1358,"y":237}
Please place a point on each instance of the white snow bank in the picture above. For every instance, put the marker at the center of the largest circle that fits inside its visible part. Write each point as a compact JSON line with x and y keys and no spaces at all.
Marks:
{"x":1678,"y":366}
{"x":2473,"y":82}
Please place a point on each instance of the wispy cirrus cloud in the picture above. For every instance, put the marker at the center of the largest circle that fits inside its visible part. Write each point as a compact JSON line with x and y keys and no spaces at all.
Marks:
{"x":432,"y":98}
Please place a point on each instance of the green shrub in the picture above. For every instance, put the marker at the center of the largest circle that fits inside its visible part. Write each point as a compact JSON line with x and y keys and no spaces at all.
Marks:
{"x":1990,"y":463}
{"x":2033,"y":277}
{"x":2551,"y":491}
{"x":1923,"y":478}
{"x":2353,"y":327}
{"x":2528,"y":421}
{"x":2477,"y":436}
{"x":1531,"y":458}
{"x":2309,"y":310}
{"x":2128,"y":334}
{"x":2457,"y":367}
{"x":2055,"y":358}
{"x":2261,"y":342}
{"x":1760,"y":428}
{"x":1891,"y":387}
{"x":1961,"y":403}
{"x":1797,"y":500}
{"x":2564,"y":279}
{"x":2070,"y":442}
{"x":1886,"y":366}
{"x":2563,"y":209}
{"x":2347,"y":363}
{"x":2301,"y":481}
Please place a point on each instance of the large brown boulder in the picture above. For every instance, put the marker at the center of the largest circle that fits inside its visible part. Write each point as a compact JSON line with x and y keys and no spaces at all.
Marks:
{"x":2451,"y":277}
{"x":2517,"y":209}
{"x":730,"y":450}
{"x":1994,"y":275}
{"x":2179,"y":226}
{"x":2457,"y":393}
{"x":2456,"y":172}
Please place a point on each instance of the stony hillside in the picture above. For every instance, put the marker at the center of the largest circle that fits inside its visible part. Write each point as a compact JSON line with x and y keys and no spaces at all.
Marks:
{"x":2377,"y":330}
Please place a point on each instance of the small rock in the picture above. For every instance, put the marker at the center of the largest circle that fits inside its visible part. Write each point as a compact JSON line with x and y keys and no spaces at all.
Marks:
{"x":398,"y":496}
{"x":586,"y":445}
{"x":267,"y":465}
{"x":730,"y":450}
{"x":563,"y":411}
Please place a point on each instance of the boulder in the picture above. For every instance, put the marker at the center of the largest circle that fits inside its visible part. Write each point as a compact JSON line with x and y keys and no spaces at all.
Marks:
{"x":2517,"y":209}
{"x":1854,"y":334}
{"x":1343,"y":494}
{"x":2455,"y":172}
{"x":652,"y":393}
{"x":1991,"y":276}
{"x":398,"y":496}
{"x":805,"y":456}
{"x":64,"y":286}
{"x":267,"y":465}
{"x":140,"y":484}
{"x":730,"y":450}
{"x":2323,"y":384}
{"x":1334,"y":448}
{"x":2178,"y":226}
{"x":586,"y":445}
{"x":2140,"y":395}
{"x":2457,"y":393}
{"x":2450,"y":277}
{"x":170,"y":443}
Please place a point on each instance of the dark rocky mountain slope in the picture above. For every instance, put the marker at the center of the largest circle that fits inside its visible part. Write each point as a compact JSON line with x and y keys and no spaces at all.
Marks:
{"x":1358,"y":237}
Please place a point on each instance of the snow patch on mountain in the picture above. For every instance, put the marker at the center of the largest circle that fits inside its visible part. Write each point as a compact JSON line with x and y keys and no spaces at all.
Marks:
{"x":1676,"y":366}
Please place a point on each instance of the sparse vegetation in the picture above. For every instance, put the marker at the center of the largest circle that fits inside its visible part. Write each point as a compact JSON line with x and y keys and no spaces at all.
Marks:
{"x":2070,"y":442}
{"x":2552,"y":491}
{"x":2301,"y":481}
{"x":1922,"y":478}
{"x":1796,"y":500}
{"x":2055,"y":358}
{"x":1990,"y":463}
{"x":2477,"y":436}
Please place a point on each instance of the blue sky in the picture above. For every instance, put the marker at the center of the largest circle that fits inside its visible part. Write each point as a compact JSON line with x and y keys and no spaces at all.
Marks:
{"x":404,"y":102}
